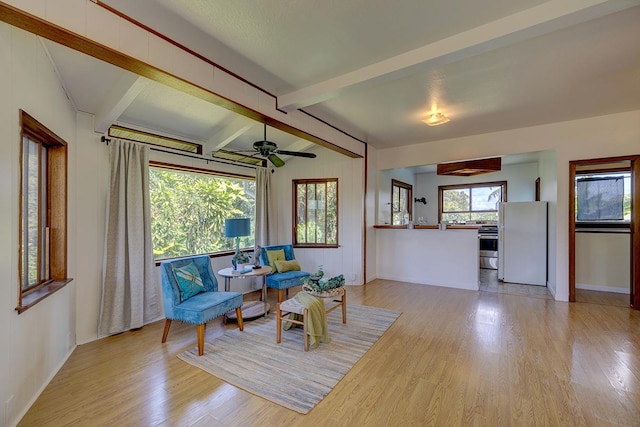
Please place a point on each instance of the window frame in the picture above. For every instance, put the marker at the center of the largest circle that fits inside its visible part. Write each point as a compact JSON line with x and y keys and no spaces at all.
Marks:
{"x":402,"y":185}
{"x":194,"y":169}
{"x":54,"y":214}
{"x":443,"y":188}
{"x":324,"y":181}
{"x":603,"y":224}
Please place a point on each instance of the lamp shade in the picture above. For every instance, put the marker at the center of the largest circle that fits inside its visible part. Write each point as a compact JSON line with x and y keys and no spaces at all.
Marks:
{"x":237,"y":227}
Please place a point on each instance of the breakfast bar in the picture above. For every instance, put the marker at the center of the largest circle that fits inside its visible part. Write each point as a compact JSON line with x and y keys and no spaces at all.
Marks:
{"x":427,"y":255}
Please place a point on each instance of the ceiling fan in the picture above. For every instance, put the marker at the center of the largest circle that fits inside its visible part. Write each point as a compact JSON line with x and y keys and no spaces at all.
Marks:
{"x":270,"y":150}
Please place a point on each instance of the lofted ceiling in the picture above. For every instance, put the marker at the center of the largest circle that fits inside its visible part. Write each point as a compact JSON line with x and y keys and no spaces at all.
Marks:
{"x":375,"y":68}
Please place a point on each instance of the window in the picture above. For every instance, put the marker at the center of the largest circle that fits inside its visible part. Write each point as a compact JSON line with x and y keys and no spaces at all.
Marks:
{"x":471,"y":202}
{"x":401,"y":196}
{"x":603,"y":197}
{"x":315,"y":212}
{"x":152,"y":139}
{"x":43,"y":213}
{"x":189,"y":206}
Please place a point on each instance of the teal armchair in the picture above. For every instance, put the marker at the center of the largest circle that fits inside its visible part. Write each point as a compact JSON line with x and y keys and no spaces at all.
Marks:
{"x":282,"y":281}
{"x":190,"y":294}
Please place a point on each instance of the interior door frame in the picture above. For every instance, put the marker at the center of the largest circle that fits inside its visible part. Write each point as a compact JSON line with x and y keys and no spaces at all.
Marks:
{"x":634,"y":229}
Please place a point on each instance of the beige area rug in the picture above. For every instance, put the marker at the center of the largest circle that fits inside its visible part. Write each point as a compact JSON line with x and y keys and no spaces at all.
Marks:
{"x":284,"y":373}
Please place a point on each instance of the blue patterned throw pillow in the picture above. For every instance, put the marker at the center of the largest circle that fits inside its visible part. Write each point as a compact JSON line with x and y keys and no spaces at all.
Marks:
{"x":189,"y":281}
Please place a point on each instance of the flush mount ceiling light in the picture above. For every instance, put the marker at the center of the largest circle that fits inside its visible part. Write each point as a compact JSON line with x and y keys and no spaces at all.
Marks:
{"x":436,"y":119}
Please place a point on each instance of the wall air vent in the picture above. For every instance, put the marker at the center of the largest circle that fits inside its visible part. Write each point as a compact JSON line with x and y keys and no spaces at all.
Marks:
{"x":470,"y":167}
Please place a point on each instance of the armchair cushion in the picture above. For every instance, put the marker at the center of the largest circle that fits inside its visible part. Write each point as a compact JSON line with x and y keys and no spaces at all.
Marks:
{"x":284,"y":266}
{"x":273,"y":256}
{"x":286,"y":280}
{"x":189,"y":281}
{"x":281,"y":280}
{"x":205,"y":306}
{"x":210,"y":302}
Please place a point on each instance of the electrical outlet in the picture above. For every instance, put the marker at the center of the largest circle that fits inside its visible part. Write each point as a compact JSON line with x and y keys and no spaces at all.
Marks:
{"x":353,"y":277}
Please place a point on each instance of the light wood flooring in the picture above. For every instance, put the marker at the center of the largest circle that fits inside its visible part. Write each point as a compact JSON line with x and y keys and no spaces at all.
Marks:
{"x":453,"y":358}
{"x":489,"y":283}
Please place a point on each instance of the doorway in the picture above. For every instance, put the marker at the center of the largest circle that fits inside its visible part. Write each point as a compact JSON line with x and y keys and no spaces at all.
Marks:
{"x":605,"y":217}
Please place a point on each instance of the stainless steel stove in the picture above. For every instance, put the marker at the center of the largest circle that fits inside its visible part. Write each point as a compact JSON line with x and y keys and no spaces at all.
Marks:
{"x":488,"y":241}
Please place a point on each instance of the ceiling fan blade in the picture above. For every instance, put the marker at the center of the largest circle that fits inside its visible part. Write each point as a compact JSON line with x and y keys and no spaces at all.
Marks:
{"x":277,"y":161}
{"x":297,"y":154}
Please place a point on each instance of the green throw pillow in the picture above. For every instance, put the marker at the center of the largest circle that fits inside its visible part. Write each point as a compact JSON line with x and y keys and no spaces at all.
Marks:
{"x":189,"y":281}
{"x":283,"y":266}
{"x":273,"y":256}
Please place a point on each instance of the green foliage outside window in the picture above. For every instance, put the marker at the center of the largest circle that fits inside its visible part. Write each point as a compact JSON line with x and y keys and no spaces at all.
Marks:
{"x":188,"y":210}
{"x":476,"y":202}
{"x":316,"y":212}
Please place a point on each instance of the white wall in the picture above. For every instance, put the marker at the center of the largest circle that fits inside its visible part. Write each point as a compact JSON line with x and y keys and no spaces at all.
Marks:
{"x":372,"y":204}
{"x":520,"y":187}
{"x":447,"y":258}
{"x":597,"y":137}
{"x":603,"y":262}
{"x":549,"y":193}
{"x":37,"y":342}
{"x":348,"y":258}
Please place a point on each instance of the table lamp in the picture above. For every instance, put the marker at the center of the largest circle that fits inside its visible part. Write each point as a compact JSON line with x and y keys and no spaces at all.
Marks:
{"x":237,"y":227}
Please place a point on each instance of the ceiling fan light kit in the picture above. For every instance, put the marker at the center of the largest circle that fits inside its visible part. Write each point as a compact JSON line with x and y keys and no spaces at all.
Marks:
{"x":270,"y":150}
{"x":436,"y":119}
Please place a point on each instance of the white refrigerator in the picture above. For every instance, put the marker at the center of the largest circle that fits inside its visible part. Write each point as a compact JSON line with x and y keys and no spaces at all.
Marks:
{"x":522,"y":243}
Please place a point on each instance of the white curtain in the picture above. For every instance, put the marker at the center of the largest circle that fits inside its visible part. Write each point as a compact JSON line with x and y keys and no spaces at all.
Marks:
{"x":130,"y":294}
{"x":264,"y":208}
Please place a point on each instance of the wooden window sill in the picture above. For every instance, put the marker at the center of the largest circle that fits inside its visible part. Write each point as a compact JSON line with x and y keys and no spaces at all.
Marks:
{"x":32,"y":298}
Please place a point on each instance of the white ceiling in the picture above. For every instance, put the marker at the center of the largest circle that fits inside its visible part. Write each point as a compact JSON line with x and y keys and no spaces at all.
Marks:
{"x":374,"y":68}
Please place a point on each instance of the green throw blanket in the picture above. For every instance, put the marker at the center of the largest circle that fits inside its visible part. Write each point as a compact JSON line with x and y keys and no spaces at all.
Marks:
{"x":317,"y":322}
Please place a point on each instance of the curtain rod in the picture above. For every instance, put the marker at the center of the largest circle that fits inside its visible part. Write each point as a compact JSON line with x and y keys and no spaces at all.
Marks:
{"x":107,"y":140}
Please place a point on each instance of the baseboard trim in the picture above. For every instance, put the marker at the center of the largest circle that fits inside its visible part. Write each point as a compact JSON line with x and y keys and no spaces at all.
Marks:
{"x":601,"y":288}
{"x":44,"y":385}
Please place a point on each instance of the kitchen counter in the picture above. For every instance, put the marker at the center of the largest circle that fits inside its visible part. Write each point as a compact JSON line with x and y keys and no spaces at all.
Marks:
{"x":429,"y":256}
{"x":431,"y":227}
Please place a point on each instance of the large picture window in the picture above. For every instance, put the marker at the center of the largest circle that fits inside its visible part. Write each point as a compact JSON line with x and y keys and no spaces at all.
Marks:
{"x":43,"y":213}
{"x":189,"y":206}
{"x":471,"y":202}
{"x":315,"y":212}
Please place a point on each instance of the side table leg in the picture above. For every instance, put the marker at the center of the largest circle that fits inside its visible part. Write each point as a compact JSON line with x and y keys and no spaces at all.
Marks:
{"x":227,"y":287}
{"x":264,"y":295}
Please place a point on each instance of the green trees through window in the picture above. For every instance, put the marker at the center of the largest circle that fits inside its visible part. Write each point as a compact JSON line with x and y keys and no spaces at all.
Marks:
{"x":401,"y":198}
{"x":188,"y":209}
{"x":315,"y":212}
{"x":471,"y":202}
{"x":43,"y":212}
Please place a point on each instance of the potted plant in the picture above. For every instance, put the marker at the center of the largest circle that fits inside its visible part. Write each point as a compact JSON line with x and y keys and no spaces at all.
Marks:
{"x":320,"y":287}
{"x":239,"y":259}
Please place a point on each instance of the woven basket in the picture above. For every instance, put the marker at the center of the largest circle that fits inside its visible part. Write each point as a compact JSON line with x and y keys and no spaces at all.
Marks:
{"x":325,"y":294}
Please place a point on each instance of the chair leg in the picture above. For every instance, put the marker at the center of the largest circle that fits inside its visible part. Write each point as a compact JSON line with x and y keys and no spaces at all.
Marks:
{"x":278,"y":324}
{"x":305,"y":321}
{"x":167,"y":325}
{"x":280,"y":295}
{"x":201,"y":339}
{"x":344,"y":307}
{"x":239,"y":316}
